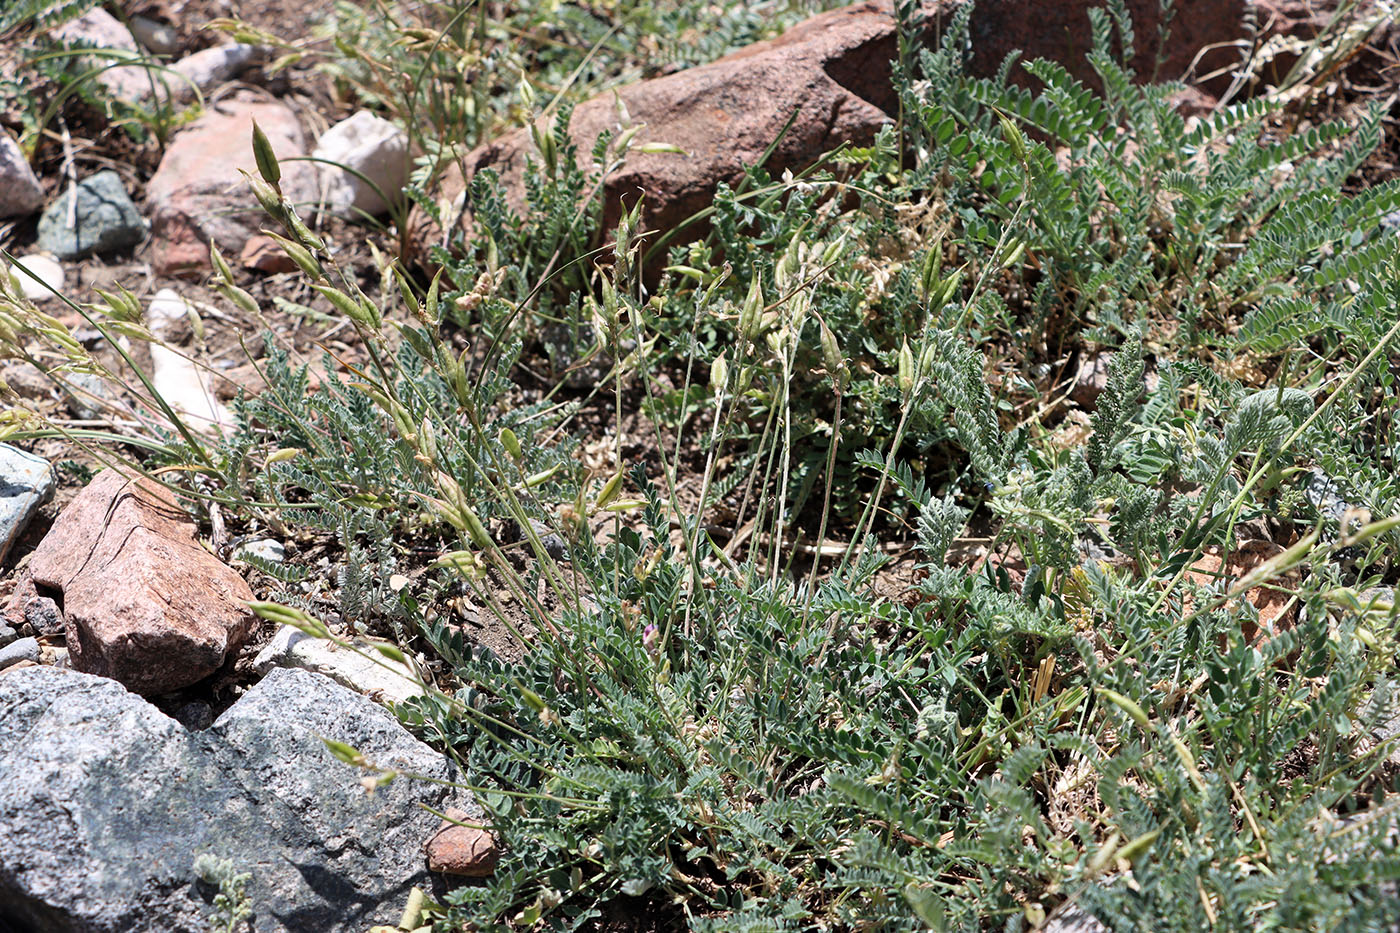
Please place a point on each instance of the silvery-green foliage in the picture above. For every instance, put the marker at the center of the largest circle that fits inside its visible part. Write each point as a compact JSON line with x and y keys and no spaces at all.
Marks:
{"x":231,"y":907}
{"x":1264,"y":417}
{"x":956,"y":375}
{"x":1100,"y":224}
{"x":1116,"y":404}
{"x":940,"y":521}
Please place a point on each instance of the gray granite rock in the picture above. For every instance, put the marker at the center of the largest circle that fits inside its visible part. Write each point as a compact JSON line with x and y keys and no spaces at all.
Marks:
{"x":26,"y":649}
{"x":91,"y":775}
{"x":43,"y":614}
{"x":105,"y":219}
{"x":195,"y":715}
{"x":7,"y":634}
{"x":85,"y":395}
{"x":26,"y":482}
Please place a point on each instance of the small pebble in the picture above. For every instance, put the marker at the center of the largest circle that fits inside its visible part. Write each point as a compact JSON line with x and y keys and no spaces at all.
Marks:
{"x":43,"y":613}
{"x":1379,"y":598}
{"x":205,"y":69}
{"x":20,"y":191}
{"x":1090,"y":381}
{"x":462,"y":850}
{"x":374,"y":153}
{"x":553,"y":544}
{"x":85,"y":395}
{"x":1325,"y":495}
{"x":158,"y":38}
{"x":26,"y":649}
{"x":262,"y":254}
{"x":7,"y":634}
{"x":47,"y":269}
{"x":90,"y":337}
{"x":274,"y":552}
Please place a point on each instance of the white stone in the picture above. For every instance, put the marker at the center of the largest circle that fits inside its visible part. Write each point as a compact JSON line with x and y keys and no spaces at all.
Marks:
{"x":177,"y":379}
{"x":381,"y":678}
{"x":157,"y":37}
{"x":211,"y":67}
{"x":274,"y":552}
{"x":166,"y":310}
{"x":46,"y":268}
{"x":20,"y":191}
{"x":375,"y":148}
{"x":102,"y":30}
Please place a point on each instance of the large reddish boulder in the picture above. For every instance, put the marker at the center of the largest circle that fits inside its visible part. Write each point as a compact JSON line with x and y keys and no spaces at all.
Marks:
{"x":830,"y":75}
{"x":143,"y":602}
{"x":198,"y":195}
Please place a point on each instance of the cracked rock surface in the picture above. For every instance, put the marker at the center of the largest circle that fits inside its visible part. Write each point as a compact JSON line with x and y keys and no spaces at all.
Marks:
{"x":144,"y":603}
{"x":105,"y":803}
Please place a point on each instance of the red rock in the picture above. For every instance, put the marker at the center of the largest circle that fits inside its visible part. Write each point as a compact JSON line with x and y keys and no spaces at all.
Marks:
{"x":462,"y":850}
{"x":27,"y":606}
{"x":197,"y":194}
{"x":262,"y":254}
{"x":144,"y":603}
{"x":1276,"y":608}
{"x":833,"y":71}
{"x":23,"y":592}
{"x":21,"y":193}
{"x":26,"y":379}
{"x":99,"y":29}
